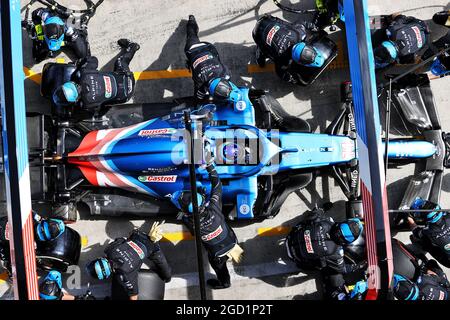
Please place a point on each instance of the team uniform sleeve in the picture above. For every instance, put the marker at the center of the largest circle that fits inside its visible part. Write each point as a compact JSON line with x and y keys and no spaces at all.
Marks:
{"x":160,"y":265}
{"x":216,"y":187}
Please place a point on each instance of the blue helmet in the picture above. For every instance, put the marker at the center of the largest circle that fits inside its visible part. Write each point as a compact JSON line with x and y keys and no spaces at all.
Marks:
{"x":99,"y":268}
{"x":405,"y":289}
{"x":183,"y":200}
{"x":350,"y":230}
{"x":224,"y":89}
{"x":50,"y":229}
{"x":432,"y":216}
{"x":391,"y":49}
{"x":68,"y":93}
{"x":50,"y":287}
{"x":307,"y":55}
{"x":53,"y":28}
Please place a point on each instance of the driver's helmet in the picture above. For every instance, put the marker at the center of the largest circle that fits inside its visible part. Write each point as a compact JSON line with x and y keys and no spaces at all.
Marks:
{"x":432,"y":216}
{"x":405,"y":289}
{"x":50,"y":229}
{"x":385,"y":54}
{"x":67,"y":94}
{"x":307,"y":55}
{"x":348,"y":231}
{"x":183,"y":200}
{"x":53,"y":28}
{"x":224,"y":89}
{"x":99,"y":268}
{"x":50,"y":287}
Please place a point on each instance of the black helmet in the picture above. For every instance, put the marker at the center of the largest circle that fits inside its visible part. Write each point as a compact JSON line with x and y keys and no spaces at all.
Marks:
{"x":183,"y":200}
{"x":405,"y":289}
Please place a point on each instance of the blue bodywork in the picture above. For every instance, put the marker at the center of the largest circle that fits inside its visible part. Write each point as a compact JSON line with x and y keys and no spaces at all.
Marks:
{"x":150,"y":157}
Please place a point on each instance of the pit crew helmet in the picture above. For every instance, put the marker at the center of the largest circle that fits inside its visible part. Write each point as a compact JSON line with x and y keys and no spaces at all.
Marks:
{"x":50,"y":229}
{"x":99,"y":268}
{"x":405,"y":289}
{"x":183,"y":200}
{"x":307,"y":55}
{"x":53,"y":28}
{"x":348,"y":231}
{"x":224,"y":89}
{"x":66,"y":94}
{"x":50,"y":287}
{"x":432,"y":216}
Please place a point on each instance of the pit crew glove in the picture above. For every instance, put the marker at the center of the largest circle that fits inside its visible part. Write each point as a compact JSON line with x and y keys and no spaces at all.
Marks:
{"x":156,"y":232}
{"x":236,"y":253}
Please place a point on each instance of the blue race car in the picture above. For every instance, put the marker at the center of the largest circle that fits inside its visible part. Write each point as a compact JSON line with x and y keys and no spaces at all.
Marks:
{"x":131,"y":159}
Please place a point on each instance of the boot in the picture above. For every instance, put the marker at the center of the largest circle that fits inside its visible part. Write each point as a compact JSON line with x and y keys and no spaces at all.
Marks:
{"x":128,"y":45}
{"x":192,"y":26}
{"x":442,"y":18}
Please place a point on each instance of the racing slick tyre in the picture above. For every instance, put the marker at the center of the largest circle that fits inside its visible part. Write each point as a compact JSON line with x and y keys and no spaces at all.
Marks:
{"x":151,"y":287}
{"x":60,"y":253}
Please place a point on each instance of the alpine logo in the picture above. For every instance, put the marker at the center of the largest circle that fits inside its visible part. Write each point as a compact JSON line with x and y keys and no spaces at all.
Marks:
{"x":108,"y":86}
{"x":155,"y":132}
{"x":418,"y":36}
{"x":165,"y":179}
{"x":201,"y":59}
{"x":271,"y":34}
{"x":136,"y":248}
{"x":213,"y":234}
{"x":308,"y":243}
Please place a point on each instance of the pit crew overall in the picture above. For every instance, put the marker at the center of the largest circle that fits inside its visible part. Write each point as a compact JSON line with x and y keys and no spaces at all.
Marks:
{"x":311,"y":247}
{"x":75,"y":40}
{"x":275,"y":39}
{"x":435,"y":238}
{"x":126,"y":256}
{"x":432,"y":287}
{"x":204,"y":62}
{"x":217,"y":237}
{"x":101,"y":88}
{"x":409,"y":35}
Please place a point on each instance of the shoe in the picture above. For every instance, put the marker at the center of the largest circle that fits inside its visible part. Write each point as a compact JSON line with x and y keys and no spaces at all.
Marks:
{"x":216,"y":284}
{"x":125,"y":44}
{"x":442,"y":18}
{"x":192,"y":23}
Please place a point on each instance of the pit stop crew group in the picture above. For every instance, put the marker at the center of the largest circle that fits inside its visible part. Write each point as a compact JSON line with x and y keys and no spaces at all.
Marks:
{"x":300,"y":53}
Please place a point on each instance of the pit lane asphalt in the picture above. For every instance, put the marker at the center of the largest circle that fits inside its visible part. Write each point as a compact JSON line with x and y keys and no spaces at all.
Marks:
{"x":157,"y":26}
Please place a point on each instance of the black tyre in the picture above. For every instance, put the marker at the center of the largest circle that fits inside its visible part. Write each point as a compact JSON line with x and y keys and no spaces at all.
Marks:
{"x":60,"y":253}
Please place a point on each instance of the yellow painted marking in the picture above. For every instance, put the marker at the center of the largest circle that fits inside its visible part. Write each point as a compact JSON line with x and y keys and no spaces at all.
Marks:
{"x":162,"y":74}
{"x":84,"y":242}
{"x":33,"y":76}
{"x":273,"y":231}
{"x":340,"y":62}
{"x":60,"y":60}
{"x":4,"y":277}
{"x":177,"y":236}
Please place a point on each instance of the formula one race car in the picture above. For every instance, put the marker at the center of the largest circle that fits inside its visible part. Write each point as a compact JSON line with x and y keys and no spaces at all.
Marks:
{"x":131,"y":159}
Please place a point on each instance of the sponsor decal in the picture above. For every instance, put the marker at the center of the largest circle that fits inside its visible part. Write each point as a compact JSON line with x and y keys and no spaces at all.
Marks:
{"x":108,"y":87}
{"x":441,"y":295}
{"x":447,"y":247}
{"x":166,"y":179}
{"x":7,"y":231}
{"x":348,"y":150}
{"x":244,"y":209}
{"x":201,"y":59}
{"x":271,"y":34}
{"x":213,"y":234}
{"x":418,"y":36}
{"x":154,"y":132}
{"x":308,"y":243}
{"x":136,"y":248}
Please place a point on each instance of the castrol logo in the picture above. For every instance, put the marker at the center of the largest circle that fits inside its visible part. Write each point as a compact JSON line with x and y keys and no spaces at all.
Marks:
{"x":164,"y":179}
